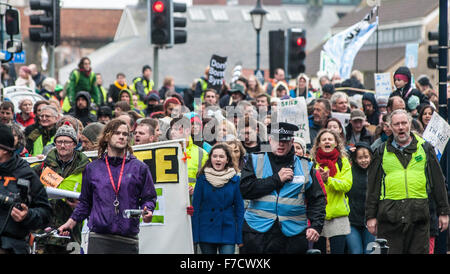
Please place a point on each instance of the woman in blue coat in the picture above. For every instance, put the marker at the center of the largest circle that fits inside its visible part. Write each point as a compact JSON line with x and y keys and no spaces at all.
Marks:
{"x":218,"y":205}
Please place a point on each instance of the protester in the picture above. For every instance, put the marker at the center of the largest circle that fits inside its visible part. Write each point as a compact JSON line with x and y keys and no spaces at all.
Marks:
{"x":300,"y":147}
{"x":7,"y":113}
{"x":339,"y":102}
{"x":44,"y":134}
{"x":321,"y":113}
{"x":82,"y":108}
{"x":147,"y":131}
{"x":402,"y":82}
{"x":335,"y":125}
{"x":168,"y":85}
{"x":281,"y":226}
{"x":218,"y":205}
{"x":25,"y":78}
{"x":254,"y":87}
{"x":356,"y":132}
{"x":83,"y":79}
{"x":143,"y":85}
{"x":115,"y":88}
{"x":19,"y":141}
{"x":403,"y":177}
{"x":370,"y":108}
{"x":110,"y":232}
{"x":90,"y":134}
{"x":238,"y":153}
{"x":382,"y":132}
{"x":425,"y":115}
{"x":331,"y":160}
{"x":17,"y":222}
{"x":359,"y":236}
{"x":302,"y":88}
{"x":104,"y":114}
{"x":26,"y":115}
{"x":64,"y":165}
{"x":37,"y":76}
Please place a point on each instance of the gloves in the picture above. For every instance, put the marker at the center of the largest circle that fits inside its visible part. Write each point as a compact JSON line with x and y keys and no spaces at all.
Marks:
{"x":190,"y":210}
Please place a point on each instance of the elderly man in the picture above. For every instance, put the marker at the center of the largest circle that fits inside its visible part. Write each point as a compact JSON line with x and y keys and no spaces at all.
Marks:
{"x":284,"y":194}
{"x":321,"y":112}
{"x":405,"y":182}
{"x":62,"y":168}
{"x":44,"y":134}
{"x":339,"y":102}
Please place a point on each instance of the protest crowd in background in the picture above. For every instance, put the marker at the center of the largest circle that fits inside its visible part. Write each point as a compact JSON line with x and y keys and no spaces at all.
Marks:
{"x":225,"y":127}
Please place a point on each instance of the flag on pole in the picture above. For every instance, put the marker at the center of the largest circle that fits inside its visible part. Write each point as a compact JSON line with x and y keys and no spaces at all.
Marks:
{"x":343,"y":47}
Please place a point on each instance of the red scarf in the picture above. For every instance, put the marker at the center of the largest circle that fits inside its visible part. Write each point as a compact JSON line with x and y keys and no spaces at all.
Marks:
{"x":328,"y":159}
{"x":86,"y":72}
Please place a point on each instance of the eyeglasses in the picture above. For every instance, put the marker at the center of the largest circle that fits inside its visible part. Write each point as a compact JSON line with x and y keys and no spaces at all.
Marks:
{"x":60,"y":143}
{"x":124,"y":134}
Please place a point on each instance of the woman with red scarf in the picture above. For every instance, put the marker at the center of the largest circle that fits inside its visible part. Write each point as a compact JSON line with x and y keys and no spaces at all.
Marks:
{"x":83,"y":79}
{"x":331,"y":161}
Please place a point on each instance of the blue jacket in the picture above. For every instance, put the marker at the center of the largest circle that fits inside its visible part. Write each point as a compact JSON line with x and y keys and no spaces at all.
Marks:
{"x":218,"y":212}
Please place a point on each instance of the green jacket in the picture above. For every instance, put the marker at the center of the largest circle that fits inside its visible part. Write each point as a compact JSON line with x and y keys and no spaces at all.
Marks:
{"x":336,"y":188}
{"x":72,"y":174}
{"x":410,"y":209}
{"x":38,"y":138}
{"x":80,"y":82}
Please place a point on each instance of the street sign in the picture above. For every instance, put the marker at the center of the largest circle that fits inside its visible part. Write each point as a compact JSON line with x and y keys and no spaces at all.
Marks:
{"x":19,"y":58}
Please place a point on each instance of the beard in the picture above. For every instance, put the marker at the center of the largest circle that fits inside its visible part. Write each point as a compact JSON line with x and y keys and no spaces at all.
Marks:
{"x":402,"y":139}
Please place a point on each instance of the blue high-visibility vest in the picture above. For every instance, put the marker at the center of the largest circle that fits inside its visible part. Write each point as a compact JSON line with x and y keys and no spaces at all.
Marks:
{"x":288,"y":205}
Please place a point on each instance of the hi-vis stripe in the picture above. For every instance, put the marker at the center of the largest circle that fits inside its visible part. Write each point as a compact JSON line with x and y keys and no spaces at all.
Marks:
{"x":281,"y":200}
{"x":272,"y":216}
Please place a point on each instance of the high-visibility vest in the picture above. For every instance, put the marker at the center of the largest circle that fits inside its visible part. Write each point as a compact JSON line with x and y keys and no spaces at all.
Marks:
{"x":195,"y":161}
{"x":288,"y":205}
{"x":148,"y":86}
{"x":38,"y":145}
{"x":402,"y":183}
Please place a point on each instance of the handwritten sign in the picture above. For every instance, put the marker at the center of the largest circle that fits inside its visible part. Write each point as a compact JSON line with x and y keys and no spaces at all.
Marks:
{"x":294,"y":111}
{"x":50,"y":178}
{"x":383,"y":84}
{"x":344,"y":118}
{"x":437,"y":133}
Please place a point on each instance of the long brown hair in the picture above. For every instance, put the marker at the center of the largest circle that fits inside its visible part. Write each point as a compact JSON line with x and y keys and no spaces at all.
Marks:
{"x":107,"y":133}
{"x":340,"y":144}
{"x":226,"y":148}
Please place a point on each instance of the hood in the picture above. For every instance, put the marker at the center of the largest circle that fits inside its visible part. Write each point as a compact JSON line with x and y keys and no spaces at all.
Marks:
{"x":86,"y":96}
{"x":304,"y":76}
{"x":407,"y":72}
{"x":130,"y":94}
{"x":371,"y":97}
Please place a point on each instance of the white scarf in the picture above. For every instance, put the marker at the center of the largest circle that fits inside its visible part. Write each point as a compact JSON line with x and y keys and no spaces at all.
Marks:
{"x":219,"y":178}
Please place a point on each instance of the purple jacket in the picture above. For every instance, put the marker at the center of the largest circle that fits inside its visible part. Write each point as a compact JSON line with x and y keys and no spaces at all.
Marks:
{"x":97,"y":195}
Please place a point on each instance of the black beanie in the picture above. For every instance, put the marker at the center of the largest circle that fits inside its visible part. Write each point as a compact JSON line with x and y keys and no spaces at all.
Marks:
{"x":6,"y":138}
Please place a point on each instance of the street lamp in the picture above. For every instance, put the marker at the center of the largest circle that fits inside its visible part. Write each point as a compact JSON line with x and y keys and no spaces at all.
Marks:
{"x":257,"y":15}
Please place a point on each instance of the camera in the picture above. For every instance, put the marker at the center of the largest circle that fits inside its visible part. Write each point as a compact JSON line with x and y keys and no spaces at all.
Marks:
{"x":15,"y":199}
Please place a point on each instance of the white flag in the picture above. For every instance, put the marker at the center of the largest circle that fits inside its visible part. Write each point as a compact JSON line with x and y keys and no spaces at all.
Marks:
{"x":344,"y":46}
{"x":44,"y":58}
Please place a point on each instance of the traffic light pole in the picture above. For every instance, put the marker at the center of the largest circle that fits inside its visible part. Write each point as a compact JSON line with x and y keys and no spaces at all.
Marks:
{"x":52,"y":61}
{"x":155,"y":66}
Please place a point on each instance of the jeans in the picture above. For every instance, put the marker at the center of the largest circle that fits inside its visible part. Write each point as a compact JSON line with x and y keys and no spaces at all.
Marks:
{"x":358,"y":239}
{"x":209,"y":248}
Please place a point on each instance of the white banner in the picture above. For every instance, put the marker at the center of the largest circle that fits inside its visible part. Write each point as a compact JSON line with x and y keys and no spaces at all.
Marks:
{"x":437,"y":133}
{"x":383,"y":84}
{"x":294,"y":111}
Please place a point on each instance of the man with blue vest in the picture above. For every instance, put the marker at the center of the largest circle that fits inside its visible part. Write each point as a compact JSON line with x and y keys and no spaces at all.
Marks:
{"x":406,"y":190}
{"x":284,"y":195}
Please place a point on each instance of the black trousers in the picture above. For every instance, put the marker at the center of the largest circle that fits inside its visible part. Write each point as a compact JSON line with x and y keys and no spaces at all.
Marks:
{"x":406,"y":238}
{"x":112,"y":244}
{"x":272,"y":242}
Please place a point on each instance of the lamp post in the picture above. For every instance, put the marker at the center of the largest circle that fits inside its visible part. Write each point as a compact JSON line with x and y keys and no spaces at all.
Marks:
{"x":257,"y":15}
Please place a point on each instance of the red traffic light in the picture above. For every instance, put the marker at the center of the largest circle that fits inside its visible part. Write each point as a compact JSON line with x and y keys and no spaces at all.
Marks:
{"x":158,"y":6}
{"x":301,"y":42}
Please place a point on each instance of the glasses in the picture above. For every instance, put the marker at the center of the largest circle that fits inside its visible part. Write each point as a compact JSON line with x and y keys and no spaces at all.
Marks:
{"x":123,"y":133}
{"x":66,"y":143}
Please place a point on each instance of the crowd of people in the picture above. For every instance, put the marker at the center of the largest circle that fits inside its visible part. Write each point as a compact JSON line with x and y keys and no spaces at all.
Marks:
{"x":254,"y":184}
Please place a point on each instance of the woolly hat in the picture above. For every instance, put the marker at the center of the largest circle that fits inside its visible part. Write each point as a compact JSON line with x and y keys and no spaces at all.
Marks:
{"x":171,"y":100}
{"x":6,"y":138}
{"x":66,"y":130}
{"x":92,"y":131}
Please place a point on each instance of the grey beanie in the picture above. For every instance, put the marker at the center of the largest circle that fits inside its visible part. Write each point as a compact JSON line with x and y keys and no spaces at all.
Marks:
{"x":68,"y":131}
{"x":92,"y":131}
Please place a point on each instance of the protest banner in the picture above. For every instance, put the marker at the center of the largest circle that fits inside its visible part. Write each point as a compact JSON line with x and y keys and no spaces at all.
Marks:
{"x":217,"y":67}
{"x":383,"y":84}
{"x":437,"y":133}
{"x":294,"y":111}
{"x":170,"y":231}
{"x":411,"y":55}
{"x":344,"y":118}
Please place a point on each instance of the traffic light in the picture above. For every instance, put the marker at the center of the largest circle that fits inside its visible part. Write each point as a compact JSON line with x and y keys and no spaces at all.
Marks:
{"x":276,"y":51}
{"x":160,"y":22}
{"x":50,"y":20}
{"x":12,"y":21}
{"x":296,"y":39}
{"x":433,"y":60}
{"x":178,"y":36}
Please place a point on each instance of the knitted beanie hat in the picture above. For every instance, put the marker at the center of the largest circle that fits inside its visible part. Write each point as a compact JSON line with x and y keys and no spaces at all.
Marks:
{"x":68,"y":131}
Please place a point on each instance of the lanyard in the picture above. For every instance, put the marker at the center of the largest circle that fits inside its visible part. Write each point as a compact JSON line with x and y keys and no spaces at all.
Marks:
{"x":111,"y":177}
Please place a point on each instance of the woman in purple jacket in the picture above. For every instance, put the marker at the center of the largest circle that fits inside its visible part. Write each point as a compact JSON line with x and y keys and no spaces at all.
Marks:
{"x":114,"y":182}
{"x":218,"y":205}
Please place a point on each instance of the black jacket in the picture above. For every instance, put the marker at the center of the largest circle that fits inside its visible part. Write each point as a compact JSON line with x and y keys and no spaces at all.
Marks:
{"x":365,"y":136}
{"x":253,"y":188}
{"x":84,"y":115}
{"x":13,"y":234}
{"x":405,"y":92}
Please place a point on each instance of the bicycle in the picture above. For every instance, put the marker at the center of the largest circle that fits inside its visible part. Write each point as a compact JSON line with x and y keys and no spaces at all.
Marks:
{"x":35,"y":238}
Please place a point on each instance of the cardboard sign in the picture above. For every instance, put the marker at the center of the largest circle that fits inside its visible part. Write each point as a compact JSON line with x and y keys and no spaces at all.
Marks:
{"x":217,"y":67}
{"x":294,"y":111}
{"x":344,"y":118}
{"x":50,"y":178}
{"x":383,"y":84}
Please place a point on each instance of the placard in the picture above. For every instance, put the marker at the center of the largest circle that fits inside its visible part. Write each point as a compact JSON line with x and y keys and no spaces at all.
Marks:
{"x":437,"y":133}
{"x":294,"y":111}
